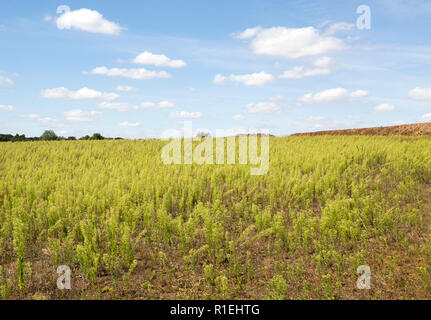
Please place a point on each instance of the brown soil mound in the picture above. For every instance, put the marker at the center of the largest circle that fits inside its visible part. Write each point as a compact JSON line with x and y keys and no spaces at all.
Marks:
{"x":416,"y":129}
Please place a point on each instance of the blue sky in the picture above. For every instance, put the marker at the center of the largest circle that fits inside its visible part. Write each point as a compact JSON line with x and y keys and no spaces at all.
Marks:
{"x":138,"y":68}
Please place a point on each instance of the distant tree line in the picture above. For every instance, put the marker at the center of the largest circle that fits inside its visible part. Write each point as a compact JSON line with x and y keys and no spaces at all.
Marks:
{"x":49,"y":135}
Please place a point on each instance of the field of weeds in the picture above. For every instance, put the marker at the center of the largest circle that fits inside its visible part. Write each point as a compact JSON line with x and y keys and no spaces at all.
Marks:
{"x":131,"y":227}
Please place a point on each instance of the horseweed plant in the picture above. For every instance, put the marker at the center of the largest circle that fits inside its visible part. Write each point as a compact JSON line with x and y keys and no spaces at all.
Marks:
{"x":115,"y":210}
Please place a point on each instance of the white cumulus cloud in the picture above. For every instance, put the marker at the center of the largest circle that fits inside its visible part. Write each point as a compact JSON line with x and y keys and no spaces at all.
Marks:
{"x":86,"y":20}
{"x":158,"y":60}
{"x":359,"y":94}
{"x":300,"y":72}
{"x":253,"y":79}
{"x":81,"y":94}
{"x":384,"y":107}
{"x":331,"y":95}
{"x":158,"y":105}
{"x":247,"y":33}
{"x":140,"y":74}
{"x":420,"y":94}
{"x":291,"y":43}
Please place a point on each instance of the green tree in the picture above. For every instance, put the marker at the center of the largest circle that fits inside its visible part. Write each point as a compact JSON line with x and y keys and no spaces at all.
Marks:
{"x":18,"y":137}
{"x":48,"y":135}
{"x":97,"y":136}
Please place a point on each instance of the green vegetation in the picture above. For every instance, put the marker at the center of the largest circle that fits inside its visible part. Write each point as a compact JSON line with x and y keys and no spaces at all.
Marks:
{"x":129,"y":226}
{"x":48,"y":135}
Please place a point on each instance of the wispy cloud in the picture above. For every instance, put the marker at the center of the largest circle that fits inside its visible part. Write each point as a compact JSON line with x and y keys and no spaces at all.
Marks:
{"x":6,"y":108}
{"x":43,"y":120}
{"x":117,"y":106}
{"x":5,"y":81}
{"x":186,"y":115}
{"x":129,"y":124}
{"x":321,"y":67}
{"x":238,"y":117}
{"x":81,"y":115}
{"x":158,"y":105}
{"x":124,"y":88}
{"x":332,"y":95}
{"x":273,"y":105}
{"x":253,"y":79}
{"x":81,"y":94}
{"x":139,"y":74}
{"x":337,"y":27}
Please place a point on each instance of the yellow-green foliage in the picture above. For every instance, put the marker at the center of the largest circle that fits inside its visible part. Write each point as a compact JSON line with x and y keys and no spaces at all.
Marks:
{"x":113,"y":209}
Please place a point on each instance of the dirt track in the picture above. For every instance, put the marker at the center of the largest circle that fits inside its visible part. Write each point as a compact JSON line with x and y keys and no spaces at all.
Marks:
{"x":416,"y":129}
